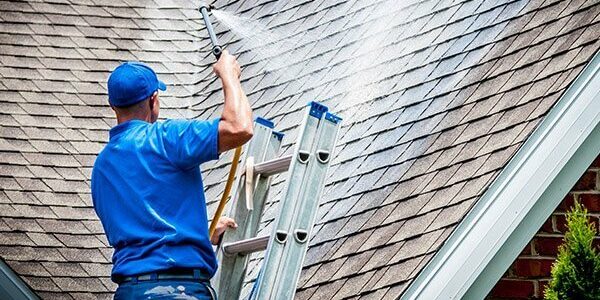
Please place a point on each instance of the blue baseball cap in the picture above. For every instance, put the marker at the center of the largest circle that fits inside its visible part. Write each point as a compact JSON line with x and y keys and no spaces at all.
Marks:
{"x":132,"y":82}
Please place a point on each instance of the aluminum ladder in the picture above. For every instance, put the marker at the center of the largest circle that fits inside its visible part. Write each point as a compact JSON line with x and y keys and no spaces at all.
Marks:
{"x":287,"y":244}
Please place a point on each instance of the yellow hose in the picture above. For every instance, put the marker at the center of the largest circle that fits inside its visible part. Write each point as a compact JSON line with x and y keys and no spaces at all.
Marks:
{"x":226,"y":192}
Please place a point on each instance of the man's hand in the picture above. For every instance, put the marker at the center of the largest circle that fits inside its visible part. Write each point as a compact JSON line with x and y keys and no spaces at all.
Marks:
{"x":223,"y":224}
{"x":227,"y":67}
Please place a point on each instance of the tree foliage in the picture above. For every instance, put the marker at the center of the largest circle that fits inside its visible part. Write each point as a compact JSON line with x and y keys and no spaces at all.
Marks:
{"x":576,"y":272}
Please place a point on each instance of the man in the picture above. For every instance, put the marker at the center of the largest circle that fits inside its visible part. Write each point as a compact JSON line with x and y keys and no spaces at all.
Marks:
{"x":147,"y":187}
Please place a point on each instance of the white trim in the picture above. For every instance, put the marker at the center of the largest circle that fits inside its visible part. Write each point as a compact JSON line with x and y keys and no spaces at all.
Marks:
{"x":517,"y":203}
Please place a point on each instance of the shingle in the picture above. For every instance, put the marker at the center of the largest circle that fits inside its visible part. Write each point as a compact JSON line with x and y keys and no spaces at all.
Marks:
{"x":15,"y":170}
{"x":339,"y":208}
{"x":48,"y":147}
{"x":467,"y":169}
{"x":327,"y":291}
{"x":393,"y":174}
{"x":330,"y":230}
{"x":95,"y":269}
{"x":83,"y":255}
{"x":371,"y":199}
{"x":317,"y":253}
{"x":110,"y":286}
{"x":381,"y":236}
{"x":354,"y":284}
{"x":58,"y":199}
{"x":71,"y":173}
{"x":21,"y":253}
{"x":22,"y":225}
{"x":516,"y":115}
{"x":80,"y":241}
{"x":351,"y":149}
{"x":352,"y":244}
{"x":416,"y":246}
{"x":58,"y":185}
{"x":15,"y":238}
{"x":366,"y":182}
{"x":9,"y":211}
{"x":74,"y":213}
{"x":378,"y":216}
{"x":41,"y":283}
{"x":381,"y":256}
{"x":374,"y":294}
{"x":28,"y":268}
{"x":55,"y":295}
{"x":501,"y":139}
{"x":440,"y":178}
{"x":355,"y":222}
{"x":352,"y":265}
{"x":79,"y":284}
{"x":395,"y":291}
{"x":397,"y":273}
{"x":44,"y":240}
{"x":64,"y":268}
{"x":420,"y":166}
{"x":473,"y":188}
{"x":374,"y":278}
{"x":33,"y":211}
{"x":442,"y":197}
{"x":326,"y":271}
{"x":305,"y":293}
{"x":412,"y":227}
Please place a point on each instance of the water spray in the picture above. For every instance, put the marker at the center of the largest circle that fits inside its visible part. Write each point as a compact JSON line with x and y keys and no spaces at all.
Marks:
{"x":217,"y":50}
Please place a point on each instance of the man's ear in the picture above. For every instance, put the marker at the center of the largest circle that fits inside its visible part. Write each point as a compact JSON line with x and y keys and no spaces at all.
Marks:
{"x":153,"y":100}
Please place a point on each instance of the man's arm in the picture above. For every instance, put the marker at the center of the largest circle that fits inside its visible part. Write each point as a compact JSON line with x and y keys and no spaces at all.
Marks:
{"x":235,"y":127}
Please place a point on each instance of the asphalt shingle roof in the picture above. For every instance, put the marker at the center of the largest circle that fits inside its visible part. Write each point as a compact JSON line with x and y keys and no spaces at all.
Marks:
{"x":436,"y":97}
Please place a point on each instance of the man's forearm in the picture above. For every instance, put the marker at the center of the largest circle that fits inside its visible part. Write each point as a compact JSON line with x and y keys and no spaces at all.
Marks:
{"x":236,"y":110}
{"x":235,"y":127}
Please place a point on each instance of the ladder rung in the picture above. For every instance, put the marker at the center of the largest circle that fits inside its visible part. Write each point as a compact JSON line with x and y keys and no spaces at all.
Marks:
{"x":247,"y":246}
{"x":274,"y":166}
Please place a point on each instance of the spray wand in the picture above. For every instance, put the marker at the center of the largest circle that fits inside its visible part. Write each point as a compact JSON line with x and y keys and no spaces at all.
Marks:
{"x":216,"y":51}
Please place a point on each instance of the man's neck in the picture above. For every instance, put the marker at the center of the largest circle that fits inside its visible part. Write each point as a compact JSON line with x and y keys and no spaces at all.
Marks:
{"x":123,"y":119}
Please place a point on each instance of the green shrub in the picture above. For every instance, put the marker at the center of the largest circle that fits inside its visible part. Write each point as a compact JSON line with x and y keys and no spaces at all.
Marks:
{"x":576,"y":272}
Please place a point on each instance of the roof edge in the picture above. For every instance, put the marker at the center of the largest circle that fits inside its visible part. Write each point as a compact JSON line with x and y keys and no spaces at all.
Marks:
{"x":12,"y":287}
{"x":516,"y":204}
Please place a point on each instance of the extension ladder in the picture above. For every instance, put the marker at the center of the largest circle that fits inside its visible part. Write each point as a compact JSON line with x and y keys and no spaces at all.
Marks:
{"x":288,"y":242}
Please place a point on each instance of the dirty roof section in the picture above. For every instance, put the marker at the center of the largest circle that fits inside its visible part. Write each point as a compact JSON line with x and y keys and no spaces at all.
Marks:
{"x":436,"y":97}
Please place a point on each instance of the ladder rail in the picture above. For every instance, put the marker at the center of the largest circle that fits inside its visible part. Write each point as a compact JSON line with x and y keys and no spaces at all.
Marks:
{"x":279,"y":235}
{"x":265,"y":145}
{"x":306,"y":213}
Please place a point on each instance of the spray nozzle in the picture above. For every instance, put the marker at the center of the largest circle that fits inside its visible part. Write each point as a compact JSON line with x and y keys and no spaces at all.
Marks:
{"x":208,"y":6}
{"x":217,"y":49}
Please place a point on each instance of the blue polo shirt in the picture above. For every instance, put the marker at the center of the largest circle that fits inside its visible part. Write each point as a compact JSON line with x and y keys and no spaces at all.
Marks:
{"x":147,"y":190}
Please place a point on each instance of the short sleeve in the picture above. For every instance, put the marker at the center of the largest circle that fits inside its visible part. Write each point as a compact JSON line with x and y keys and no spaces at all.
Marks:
{"x":189,"y":143}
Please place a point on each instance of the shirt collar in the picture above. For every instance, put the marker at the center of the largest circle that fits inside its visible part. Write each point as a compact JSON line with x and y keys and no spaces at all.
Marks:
{"x":125,"y":126}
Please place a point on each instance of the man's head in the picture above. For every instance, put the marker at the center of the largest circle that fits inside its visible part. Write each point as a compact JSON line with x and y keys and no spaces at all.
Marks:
{"x":133,"y":92}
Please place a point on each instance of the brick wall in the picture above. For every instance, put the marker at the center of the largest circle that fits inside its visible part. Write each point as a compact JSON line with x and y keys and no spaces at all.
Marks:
{"x":529,"y":274}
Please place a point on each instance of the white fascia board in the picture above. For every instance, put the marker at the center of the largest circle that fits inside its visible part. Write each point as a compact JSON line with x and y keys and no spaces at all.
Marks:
{"x":517,"y":203}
